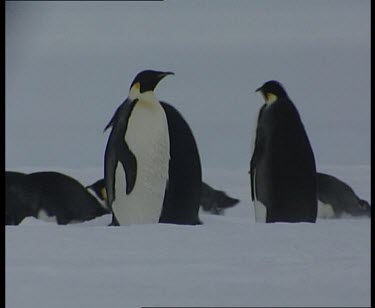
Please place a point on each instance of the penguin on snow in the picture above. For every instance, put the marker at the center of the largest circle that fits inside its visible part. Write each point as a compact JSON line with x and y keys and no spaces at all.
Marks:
{"x":282,"y":166}
{"x":152,"y":168}
{"x":50,"y":196}
{"x":337,"y":199}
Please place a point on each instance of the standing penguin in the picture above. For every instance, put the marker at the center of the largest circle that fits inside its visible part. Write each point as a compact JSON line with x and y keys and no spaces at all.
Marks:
{"x":282,"y":167}
{"x":152,"y":168}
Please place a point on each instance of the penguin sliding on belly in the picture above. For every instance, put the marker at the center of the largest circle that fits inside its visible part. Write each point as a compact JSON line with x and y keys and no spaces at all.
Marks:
{"x":152,"y":168}
{"x":282,"y":167}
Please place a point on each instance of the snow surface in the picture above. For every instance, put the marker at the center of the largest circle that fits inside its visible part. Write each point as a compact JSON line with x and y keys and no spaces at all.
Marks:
{"x":228,"y":261}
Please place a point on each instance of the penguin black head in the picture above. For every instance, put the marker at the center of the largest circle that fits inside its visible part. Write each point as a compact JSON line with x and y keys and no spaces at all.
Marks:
{"x":271,"y":91}
{"x":147,"y":80}
{"x":364,"y":207}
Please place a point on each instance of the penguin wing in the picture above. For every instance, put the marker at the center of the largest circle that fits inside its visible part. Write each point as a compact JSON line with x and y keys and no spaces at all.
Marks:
{"x":115,"y":116}
{"x":129,"y":163}
{"x":118,"y":151}
{"x":257,"y":153}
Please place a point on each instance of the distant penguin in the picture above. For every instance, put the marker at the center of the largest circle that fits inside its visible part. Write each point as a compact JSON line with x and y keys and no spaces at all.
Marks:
{"x":215,"y":201}
{"x":282,"y":167}
{"x":337,"y":199}
{"x":51,"y":196}
{"x":212,"y":200}
{"x":152,"y":168}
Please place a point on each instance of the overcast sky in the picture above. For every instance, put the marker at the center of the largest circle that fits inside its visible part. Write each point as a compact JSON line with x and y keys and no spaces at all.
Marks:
{"x":69,"y":65}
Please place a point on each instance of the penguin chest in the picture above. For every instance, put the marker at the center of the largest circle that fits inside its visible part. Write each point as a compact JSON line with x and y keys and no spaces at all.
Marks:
{"x":147,"y":137}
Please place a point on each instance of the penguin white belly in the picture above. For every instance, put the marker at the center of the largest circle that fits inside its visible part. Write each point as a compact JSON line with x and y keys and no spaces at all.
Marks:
{"x":325,"y":210}
{"x":148,"y":138}
{"x":260,"y":211}
{"x":42,"y":215}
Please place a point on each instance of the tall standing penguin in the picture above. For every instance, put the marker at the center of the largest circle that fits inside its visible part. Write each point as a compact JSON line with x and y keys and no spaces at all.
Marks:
{"x":282,"y":167}
{"x":152,"y":169}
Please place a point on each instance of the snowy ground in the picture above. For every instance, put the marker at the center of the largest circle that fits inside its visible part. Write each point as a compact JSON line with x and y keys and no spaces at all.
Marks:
{"x":229,"y":261}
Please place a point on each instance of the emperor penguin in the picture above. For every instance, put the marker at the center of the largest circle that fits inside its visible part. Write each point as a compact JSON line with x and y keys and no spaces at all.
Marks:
{"x":50,"y":196}
{"x":216,"y":201}
{"x":152,"y":169}
{"x":337,"y":199}
{"x":282,"y":166}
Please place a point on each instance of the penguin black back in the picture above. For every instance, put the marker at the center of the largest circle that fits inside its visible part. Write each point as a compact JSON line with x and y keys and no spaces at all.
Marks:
{"x":17,"y":196}
{"x":182,"y":200}
{"x":51,"y":194}
{"x":65,"y":198}
{"x":341,"y":197}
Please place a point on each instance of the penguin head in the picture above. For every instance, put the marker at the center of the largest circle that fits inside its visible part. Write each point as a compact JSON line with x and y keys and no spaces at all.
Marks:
{"x":271,"y":91}
{"x":98,"y":188}
{"x":146,"y":81}
{"x":364,"y":208}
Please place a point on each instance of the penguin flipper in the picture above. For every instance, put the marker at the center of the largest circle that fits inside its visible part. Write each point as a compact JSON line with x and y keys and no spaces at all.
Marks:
{"x":114,"y":118}
{"x":129,"y":163}
{"x":115,"y":145}
{"x":253,"y":163}
{"x":258,"y":149}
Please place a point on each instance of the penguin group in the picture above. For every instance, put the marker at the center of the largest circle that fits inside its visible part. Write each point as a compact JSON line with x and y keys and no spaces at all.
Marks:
{"x":153,"y":172}
{"x":59,"y":198}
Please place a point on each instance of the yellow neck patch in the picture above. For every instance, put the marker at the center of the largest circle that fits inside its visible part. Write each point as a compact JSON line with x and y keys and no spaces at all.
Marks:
{"x":270,"y":98}
{"x":103,"y":193}
{"x":134,"y":91}
{"x":137,"y":86}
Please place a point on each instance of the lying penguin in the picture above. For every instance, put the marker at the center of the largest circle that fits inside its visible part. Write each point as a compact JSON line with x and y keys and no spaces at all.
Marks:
{"x":50,"y":196}
{"x":215,"y":201}
{"x":53,"y":196}
{"x":337,"y":199}
{"x":212,"y":201}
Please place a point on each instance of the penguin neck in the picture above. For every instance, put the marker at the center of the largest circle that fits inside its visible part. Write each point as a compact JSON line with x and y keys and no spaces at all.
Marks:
{"x":270,"y":99}
{"x":102,"y":202}
{"x":148,"y":96}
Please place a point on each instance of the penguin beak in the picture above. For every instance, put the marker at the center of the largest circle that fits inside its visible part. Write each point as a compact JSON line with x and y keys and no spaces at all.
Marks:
{"x":259,"y":89}
{"x":162,"y":75}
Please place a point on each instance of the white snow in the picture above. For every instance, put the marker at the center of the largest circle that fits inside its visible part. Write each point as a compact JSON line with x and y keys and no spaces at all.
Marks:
{"x":228,"y":261}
